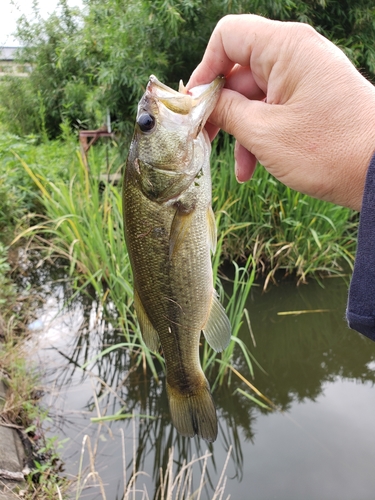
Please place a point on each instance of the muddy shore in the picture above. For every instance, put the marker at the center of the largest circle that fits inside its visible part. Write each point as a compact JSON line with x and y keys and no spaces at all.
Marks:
{"x":13,"y":460}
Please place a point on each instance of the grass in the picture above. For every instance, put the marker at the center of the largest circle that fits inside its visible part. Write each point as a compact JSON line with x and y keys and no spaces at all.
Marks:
{"x":21,"y":408}
{"x":261,"y":224}
{"x":17,"y":190}
{"x":82,"y":222}
{"x":176,"y":484}
{"x":283,"y":229}
{"x":60,"y":208}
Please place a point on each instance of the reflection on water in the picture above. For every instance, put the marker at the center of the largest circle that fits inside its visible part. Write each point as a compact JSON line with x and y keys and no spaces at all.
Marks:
{"x":320,"y":445}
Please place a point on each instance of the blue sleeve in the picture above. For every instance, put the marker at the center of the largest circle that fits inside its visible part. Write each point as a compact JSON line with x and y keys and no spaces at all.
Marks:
{"x":360,"y":311}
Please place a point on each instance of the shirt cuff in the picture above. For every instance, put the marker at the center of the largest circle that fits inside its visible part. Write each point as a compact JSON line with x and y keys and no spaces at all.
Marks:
{"x":360,"y":312}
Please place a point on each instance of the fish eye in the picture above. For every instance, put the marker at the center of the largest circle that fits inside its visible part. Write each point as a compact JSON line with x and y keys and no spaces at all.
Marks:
{"x":146,"y":122}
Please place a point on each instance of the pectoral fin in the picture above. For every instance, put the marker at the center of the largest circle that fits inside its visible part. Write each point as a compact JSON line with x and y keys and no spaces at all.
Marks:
{"x":149,"y":334}
{"x":179,"y":230}
{"x":217,"y":329}
{"x":212,"y":230}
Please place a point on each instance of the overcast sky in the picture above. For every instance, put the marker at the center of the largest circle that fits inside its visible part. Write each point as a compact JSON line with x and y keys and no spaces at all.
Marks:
{"x":11,"y":10}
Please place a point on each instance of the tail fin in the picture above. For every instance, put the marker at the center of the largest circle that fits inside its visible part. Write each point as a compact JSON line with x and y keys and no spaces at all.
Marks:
{"x":193,"y":413}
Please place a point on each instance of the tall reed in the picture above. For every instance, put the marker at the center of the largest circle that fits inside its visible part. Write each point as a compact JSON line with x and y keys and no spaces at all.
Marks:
{"x":281,"y":228}
{"x":261,"y":224}
{"x":82,"y":223}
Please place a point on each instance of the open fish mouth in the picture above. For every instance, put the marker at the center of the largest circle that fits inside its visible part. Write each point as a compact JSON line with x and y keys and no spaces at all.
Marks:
{"x":199,"y":102}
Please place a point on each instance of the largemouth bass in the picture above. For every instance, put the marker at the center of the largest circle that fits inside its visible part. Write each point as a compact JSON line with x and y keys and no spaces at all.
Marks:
{"x":170,"y":230}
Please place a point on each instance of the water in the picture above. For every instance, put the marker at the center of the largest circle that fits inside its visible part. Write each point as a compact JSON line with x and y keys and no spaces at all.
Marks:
{"x":319,"y":444}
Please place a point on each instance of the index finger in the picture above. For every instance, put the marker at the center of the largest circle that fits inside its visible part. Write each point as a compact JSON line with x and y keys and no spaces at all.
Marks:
{"x":232,"y":42}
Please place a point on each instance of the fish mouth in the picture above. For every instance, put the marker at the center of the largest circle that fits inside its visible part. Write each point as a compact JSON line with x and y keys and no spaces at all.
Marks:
{"x":198,"y":102}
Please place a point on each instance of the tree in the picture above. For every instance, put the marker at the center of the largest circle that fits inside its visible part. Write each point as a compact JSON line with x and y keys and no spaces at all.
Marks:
{"x":85,"y":63}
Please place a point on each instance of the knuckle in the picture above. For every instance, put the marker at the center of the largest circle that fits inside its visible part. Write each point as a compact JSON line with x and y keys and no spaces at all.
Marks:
{"x":301,"y":30}
{"x":228,"y":19}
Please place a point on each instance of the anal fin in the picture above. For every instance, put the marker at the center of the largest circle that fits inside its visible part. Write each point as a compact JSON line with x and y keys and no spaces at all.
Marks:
{"x":149,"y":334}
{"x":217,"y":329}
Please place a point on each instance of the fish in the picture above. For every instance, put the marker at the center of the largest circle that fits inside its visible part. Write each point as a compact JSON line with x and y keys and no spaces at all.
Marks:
{"x":170,"y":232}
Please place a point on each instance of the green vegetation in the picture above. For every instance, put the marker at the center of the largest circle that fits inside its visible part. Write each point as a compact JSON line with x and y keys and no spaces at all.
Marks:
{"x":82,"y":222}
{"x":85,"y":63}
{"x":281,"y":228}
{"x":262,"y":225}
{"x":22,"y":407}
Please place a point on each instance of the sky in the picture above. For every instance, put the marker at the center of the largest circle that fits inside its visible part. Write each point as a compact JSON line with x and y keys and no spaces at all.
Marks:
{"x":11,"y":10}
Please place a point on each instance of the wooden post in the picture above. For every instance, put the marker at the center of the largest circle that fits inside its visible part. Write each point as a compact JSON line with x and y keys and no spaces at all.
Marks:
{"x":86,"y":144}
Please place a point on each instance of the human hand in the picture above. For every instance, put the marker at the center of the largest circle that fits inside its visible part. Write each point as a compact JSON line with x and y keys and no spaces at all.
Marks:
{"x":294,"y":102}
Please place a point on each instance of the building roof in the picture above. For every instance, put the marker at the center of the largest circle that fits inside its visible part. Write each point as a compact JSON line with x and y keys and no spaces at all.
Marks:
{"x":8,"y":53}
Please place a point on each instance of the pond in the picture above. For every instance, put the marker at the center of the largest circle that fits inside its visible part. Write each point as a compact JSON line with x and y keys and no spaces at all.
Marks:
{"x":318,"y":444}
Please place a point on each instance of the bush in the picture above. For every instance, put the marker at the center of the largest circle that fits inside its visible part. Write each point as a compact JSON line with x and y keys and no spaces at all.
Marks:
{"x":19,"y":106}
{"x":85,"y":63}
{"x":17,"y":190}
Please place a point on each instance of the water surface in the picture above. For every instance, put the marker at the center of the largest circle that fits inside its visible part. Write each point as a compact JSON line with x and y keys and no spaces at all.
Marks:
{"x":319,"y":444}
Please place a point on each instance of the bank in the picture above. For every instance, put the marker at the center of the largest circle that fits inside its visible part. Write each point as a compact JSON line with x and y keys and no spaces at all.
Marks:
{"x":29,"y":465}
